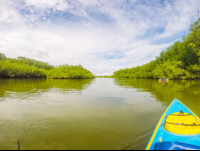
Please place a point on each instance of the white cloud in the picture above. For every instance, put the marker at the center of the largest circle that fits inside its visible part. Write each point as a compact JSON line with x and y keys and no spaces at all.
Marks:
{"x":44,"y":5}
{"x":102,"y":35}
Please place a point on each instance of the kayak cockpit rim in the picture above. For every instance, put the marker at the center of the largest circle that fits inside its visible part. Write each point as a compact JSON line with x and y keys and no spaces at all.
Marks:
{"x":157,"y":127}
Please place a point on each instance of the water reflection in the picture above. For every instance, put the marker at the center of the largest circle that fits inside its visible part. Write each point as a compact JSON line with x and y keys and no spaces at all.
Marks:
{"x":187,"y":91}
{"x":9,"y":87}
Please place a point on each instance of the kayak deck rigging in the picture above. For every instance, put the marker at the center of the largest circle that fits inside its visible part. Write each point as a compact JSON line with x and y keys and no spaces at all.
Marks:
{"x":182,"y":123}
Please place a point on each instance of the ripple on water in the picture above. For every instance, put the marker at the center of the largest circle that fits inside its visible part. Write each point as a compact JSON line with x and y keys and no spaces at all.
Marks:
{"x":64,"y":114}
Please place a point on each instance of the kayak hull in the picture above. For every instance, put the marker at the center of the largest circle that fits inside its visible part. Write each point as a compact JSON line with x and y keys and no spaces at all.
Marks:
{"x":161,"y":134}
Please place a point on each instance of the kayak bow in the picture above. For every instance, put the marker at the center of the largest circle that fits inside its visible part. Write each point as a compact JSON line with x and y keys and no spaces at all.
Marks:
{"x":178,"y":128}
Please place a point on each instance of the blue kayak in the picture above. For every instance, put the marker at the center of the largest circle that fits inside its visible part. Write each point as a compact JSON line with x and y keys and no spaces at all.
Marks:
{"x":178,"y":129}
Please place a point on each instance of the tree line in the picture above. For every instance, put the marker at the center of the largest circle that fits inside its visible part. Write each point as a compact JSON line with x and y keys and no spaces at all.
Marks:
{"x":179,"y":61}
{"x":29,"y":68}
{"x":105,"y":76}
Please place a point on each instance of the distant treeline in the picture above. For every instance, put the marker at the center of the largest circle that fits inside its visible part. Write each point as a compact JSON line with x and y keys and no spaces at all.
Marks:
{"x":179,"y":61}
{"x":29,"y":68}
{"x":106,"y":76}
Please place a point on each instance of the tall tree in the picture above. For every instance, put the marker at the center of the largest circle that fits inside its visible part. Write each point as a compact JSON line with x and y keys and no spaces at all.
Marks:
{"x":2,"y":56}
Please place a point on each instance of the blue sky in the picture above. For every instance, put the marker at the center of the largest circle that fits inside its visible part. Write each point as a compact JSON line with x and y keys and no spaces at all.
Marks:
{"x":101,"y":35}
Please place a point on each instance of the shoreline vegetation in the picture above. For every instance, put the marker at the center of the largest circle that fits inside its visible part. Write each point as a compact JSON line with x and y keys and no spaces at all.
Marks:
{"x":29,"y":68}
{"x":106,"y":76}
{"x":179,"y":61}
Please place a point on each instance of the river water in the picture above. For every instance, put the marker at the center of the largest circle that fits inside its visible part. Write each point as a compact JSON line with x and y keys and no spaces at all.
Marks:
{"x":99,"y":113}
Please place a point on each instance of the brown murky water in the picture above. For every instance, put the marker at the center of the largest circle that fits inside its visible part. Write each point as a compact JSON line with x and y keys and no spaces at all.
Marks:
{"x":87,"y":114}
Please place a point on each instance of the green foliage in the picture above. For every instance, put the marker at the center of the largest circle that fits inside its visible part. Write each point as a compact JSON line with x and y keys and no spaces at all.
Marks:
{"x":19,"y":70}
{"x":29,"y":68}
{"x":70,"y":72}
{"x":106,"y":76}
{"x":32,"y":62}
{"x":179,"y":61}
{"x":2,"y":56}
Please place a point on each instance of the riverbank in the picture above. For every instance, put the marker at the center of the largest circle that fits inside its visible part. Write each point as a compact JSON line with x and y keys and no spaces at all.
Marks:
{"x":179,"y":61}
